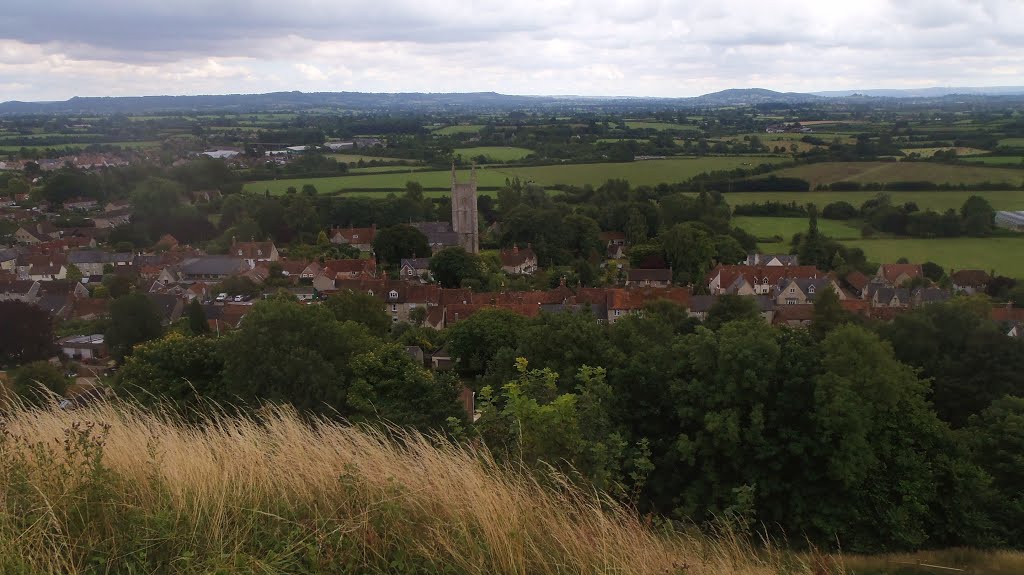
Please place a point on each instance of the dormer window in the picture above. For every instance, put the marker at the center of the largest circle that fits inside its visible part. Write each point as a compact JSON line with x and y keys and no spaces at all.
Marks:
{"x":369,"y":292}
{"x":355,"y":236}
{"x":239,"y":252}
{"x":810,"y":289}
{"x":259,"y":252}
{"x":393,"y":294}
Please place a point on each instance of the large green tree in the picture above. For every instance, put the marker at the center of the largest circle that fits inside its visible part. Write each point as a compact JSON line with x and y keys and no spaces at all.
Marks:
{"x":690,"y":249}
{"x":134,"y":319}
{"x":362,"y":308}
{"x":30,"y":381}
{"x":402,"y":241}
{"x":182,"y":370}
{"x":27,"y":333}
{"x":454,"y":265}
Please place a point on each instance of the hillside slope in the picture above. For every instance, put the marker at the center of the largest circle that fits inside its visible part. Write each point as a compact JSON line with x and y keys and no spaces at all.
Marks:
{"x":113,"y":489}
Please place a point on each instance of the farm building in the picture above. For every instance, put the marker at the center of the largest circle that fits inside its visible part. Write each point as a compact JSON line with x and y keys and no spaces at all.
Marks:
{"x":1011,"y":220}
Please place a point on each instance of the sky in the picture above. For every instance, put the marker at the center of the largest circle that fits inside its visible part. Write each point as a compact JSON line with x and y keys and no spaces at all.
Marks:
{"x":56,"y":49}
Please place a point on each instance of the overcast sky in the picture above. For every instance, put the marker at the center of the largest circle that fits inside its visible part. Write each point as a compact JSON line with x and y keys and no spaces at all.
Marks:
{"x":55,"y":49}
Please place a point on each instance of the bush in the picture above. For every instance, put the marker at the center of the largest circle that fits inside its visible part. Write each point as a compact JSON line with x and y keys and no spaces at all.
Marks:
{"x":839,"y":211}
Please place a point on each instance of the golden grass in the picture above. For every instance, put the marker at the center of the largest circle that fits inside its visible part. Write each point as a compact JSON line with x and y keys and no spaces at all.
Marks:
{"x":951,"y":561}
{"x":341,"y":498}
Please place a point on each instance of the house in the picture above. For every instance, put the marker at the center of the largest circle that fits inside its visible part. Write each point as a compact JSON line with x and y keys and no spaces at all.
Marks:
{"x":755,"y":280}
{"x":359,"y":238}
{"x":253,"y":252}
{"x":660,"y":278}
{"x":26,"y":291}
{"x":773,"y":260}
{"x":83,"y":347}
{"x":890,"y":297}
{"x":800,"y":315}
{"x":800,"y":291}
{"x":517,"y":261}
{"x":36,"y":233}
{"x":400,"y":298}
{"x":925,"y":296}
{"x":81,"y":204}
{"x":857,"y":283}
{"x":170,"y":307}
{"x":112,"y":219}
{"x":214,"y":268}
{"x":350,"y":268}
{"x":293,"y":269}
{"x":94,"y":262}
{"x":43,"y":267}
{"x":610,"y":239}
{"x":623,"y":302}
{"x":115,"y":205}
{"x":440,"y":235}
{"x":895,"y":275}
{"x":63,"y":288}
{"x":969,"y":281}
{"x":166,"y":242}
{"x":416,"y":269}
{"x":9,"y":259}
{"x":89,"y":308}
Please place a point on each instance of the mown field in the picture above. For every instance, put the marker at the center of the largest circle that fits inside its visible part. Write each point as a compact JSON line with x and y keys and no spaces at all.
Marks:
{"x":938,"y":201}
{"x":865,"y":172}
{"x":999,"y":254}
{"x":496,"y":153}
{"x":354,"y":158}
{"x":638,"y":173}
{"x":766,"y":227}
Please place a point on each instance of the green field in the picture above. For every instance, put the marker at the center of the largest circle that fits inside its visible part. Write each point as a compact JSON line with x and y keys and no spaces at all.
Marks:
{"x":766,"y":227}
{"x":639,"y":125}
{"x":78,"y":146}
{"x":496,"y":153}
{"x":999,"y":254}
{"x":864,"y":172}
{"x":354,"y":158}
{"x":1012,"y":142}
{"x":938,"y":201}
{"x":638,"y":173}
{"x":460,"y":129}
{"x":997,"y":160}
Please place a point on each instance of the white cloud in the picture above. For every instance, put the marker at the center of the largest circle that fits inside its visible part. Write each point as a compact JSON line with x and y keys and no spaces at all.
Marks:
{"x":54,"y":49}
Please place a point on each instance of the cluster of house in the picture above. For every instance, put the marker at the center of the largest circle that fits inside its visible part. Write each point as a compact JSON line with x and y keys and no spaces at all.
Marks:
{"x":81,"y":160}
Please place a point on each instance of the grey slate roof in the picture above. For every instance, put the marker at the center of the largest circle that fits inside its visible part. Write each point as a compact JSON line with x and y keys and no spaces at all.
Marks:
{"x":213,"y":265}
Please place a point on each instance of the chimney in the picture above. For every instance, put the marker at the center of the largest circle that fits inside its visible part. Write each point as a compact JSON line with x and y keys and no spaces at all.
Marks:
{"x":515,"y":248}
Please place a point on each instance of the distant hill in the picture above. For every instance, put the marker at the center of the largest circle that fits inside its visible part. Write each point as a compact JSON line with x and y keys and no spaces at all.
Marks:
{"x":748,"y":96}
{"x":469,"y":102}
{"x":926,"y":92}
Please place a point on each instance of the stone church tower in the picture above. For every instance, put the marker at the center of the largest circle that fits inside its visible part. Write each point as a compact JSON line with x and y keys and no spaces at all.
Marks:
{"x":464,"y":215}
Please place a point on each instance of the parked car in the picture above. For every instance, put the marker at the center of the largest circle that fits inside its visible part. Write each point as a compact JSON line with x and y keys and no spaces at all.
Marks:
{"x":222,"y":297}
{"x":238,"y":298}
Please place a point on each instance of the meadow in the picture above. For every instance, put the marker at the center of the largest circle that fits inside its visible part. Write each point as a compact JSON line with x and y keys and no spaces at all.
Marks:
{"x":495,"y":153}
{"x":650,"y":172}
{"x":354,"y":158}
{"x":1012,"y":142}
{"x":458,"y":129}
{"x":998,"y":160}
{"x":767,"y":227}
{"x":642,"y":125}
{"x":999,"y":254}
{"x":79,"y":146}
{"x":938,"y":201}
{"x":114,"y":489}
{"x":865,"y":172}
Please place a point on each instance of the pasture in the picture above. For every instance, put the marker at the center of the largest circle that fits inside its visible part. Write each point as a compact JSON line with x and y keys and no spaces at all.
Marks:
{"x":642,"y":125}
{"x":929,"y":152}
{"x":999,"y":254}
{"x":865,"y":172}
{"x":938,"y":201}
{"x":998,"y":160}
{"x":355,"y":158}
{"x":1012,"y":142}
{"x":79,"y":145}
{"x":494,"y":153}
{"x":766,"y":227}
{"x":459,"y":129}
{"x":651,"y":172}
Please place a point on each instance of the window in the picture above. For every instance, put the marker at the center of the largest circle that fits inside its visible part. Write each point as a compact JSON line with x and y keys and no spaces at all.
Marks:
{"x":810,"y":289}
{"x":792,"y":290}
{"x":239,"y":252}
{"x":394,"y":308}
{"x":618,"y":312}
{"x":259,"y":252}
{"x":369,"y":292}
{"x":393,"y":294}
{"x":791,"y":301}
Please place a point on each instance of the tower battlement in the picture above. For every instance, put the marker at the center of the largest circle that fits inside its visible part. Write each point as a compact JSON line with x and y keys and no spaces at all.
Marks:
{"x":465,"y":221}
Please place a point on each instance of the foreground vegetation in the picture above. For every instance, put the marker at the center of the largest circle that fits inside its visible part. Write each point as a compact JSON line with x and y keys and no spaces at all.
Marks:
{"x":115,"y":489}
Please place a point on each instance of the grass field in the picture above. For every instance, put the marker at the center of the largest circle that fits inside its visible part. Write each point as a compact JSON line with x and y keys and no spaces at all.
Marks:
{"x":1012,"y":142}
{"x":864,"y":172}
{"x":496,"y":153}
{"x":354,"y":158}
{"x":112,"y":489}
{"x":960,"y":151}
{"x":460,"y":129}
{"x":638,"y":173}
{"x":999,"y":254}
{"x":997,"y":160}
{"x":938,"y":201}
{"x":78,"y":146}
{"x":766,"y":227}
{"x":640,"y":125}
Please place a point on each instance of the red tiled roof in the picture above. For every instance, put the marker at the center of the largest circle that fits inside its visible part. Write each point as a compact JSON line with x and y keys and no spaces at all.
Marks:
{"x":350,"y":266}
{"x":355,"y":235}
{"x":970,"y":278}
{"x":514,"y":256}
{"x":631,"y":299}
{"x":893,"y":271}
{"x":756,"y":274}
{"x":252,"y":250}
{"x":1007,"y":314}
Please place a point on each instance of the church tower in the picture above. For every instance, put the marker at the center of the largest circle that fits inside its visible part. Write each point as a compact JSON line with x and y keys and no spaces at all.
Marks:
{"x":464,"y":215}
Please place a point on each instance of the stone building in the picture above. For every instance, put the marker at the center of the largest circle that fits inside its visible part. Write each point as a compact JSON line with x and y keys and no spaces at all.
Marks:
{"x":464,"y":212}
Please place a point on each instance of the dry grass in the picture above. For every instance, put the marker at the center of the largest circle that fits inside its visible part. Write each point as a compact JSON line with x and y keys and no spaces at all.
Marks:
{"x":950,"y":561}
{"x":116,"y":489}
